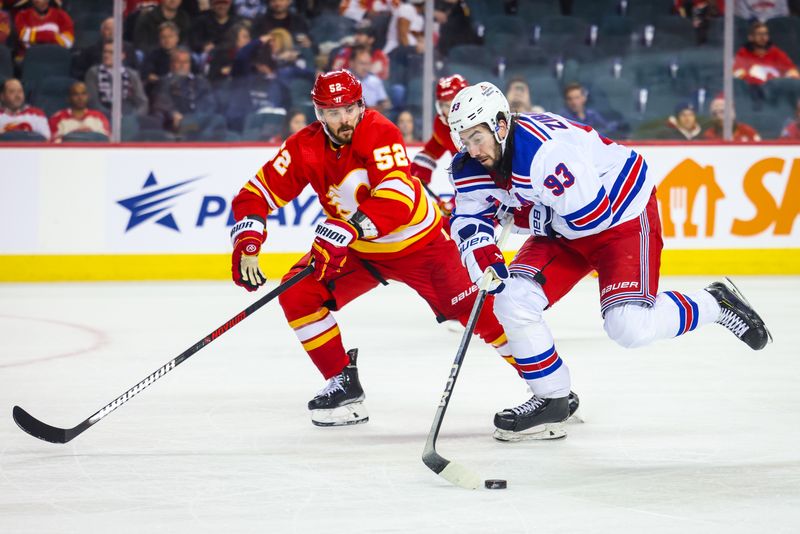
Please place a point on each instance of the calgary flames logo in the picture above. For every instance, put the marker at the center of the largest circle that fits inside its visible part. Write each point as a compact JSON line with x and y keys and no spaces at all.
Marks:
{"x":345,"y":197}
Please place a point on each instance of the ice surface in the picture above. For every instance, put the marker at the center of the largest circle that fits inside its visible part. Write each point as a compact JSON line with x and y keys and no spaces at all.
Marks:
{"x":697,"y":434}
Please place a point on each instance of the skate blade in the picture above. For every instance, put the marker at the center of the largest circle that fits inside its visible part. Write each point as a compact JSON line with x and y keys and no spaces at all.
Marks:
{"x":738,"y":293}
{"x":575,"y":418}
{"x":542,"y":432}
{"x":349,"y":414}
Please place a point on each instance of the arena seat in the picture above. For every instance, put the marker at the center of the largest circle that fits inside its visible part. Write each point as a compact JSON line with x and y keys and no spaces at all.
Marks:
{"x":43,"y":61}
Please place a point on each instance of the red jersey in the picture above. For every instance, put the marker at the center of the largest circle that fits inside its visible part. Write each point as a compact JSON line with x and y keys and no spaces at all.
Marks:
{"x":439,"y":143}
{"x":757,"y":69}
{"x":64,"y":121}
{"x":380,"y":62}
{"x":371,"y":174}
{"x":791,"y":130}
{"x":54,"y":27}
{"x":743,"y":133}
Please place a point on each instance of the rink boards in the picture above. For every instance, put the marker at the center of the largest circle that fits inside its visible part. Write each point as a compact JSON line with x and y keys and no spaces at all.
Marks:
{"x":164,"y":212}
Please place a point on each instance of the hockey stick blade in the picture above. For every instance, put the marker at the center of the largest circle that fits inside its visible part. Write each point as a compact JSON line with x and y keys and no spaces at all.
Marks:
{"x":452,"y":472}
{"x":45,"y":432}
{"x":40,"y":430}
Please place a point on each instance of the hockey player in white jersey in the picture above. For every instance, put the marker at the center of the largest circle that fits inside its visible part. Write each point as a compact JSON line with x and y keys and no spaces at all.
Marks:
{"x":588,"y":203}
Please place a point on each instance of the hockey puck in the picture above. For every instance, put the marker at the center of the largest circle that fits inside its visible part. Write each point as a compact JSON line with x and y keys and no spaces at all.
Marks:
{"x":495,"y":483}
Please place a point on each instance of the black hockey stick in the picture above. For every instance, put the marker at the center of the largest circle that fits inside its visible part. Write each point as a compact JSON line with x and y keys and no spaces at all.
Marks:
{"x":45,"y":432}
{"x":453,"y":472}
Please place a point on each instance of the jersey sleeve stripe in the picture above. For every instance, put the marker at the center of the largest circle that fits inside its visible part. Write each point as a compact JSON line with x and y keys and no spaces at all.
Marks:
{"x":623,"y":202}
{"x":469,"y":180}
{"x":394,"y":195}
{"x":253,"y":189}
{"x":399,"y":186}
{"x":533,"y":128}
{"x":591,"y":210}
{"x":273,"y":206}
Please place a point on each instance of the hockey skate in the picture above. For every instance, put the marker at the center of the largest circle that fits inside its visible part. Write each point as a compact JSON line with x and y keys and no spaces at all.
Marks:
{"x":341,"y":401}
{"x":738,"y":315}
{"x":537,"y":418}
{"x":574,"y":403}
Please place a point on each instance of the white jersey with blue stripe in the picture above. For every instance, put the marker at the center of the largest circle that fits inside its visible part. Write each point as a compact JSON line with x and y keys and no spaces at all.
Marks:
{"x":590,"y":182}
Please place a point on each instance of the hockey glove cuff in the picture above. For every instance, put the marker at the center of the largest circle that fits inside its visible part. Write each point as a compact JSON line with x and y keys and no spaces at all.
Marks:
{"x":479,"y":252}
{"x":330,"y":246}
{"x":422,"y":167}
{"x":247,"y":236}
{"x":541,"y":221}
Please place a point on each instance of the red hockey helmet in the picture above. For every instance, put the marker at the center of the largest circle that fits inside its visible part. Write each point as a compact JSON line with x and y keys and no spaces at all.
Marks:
{"x":336,"y":88}
{"x":448,"y":87}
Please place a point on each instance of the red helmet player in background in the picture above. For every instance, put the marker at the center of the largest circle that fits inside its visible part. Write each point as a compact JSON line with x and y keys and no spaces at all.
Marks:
{"x":440,"y":142}
{"x":380,"y":226}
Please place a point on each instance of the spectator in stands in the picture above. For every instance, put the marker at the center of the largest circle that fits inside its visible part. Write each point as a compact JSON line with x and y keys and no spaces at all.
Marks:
{"x":760,"y":9}
{"x":743,"y":133}
{"x":148,"y":27}
{"x":518,"y":94}
{"x":185,"y":102}
{"x":359,"y":10}
{"x":791,"y":129}
{"x":288,"y":59}
{"x":43,"y":24}
{"x":157,"y":62}
{"x":683,"y":125}
{"x":250,"y":9}
{"x":406,"y":27}
{"x":455,"y":25}
{"x":98,"y":83}
{"x":93,"y":54}
{"x":209,"y":28}
{"x":133,"y":10}
{"x":364,"y":37}
{"x":16,"y":115}
{"x":575,"y":108}
{"x":296,"y":120}
{"x":279,"y":15}
{"x":374,"y":93}
{"x":405,"y":122}
{"x":700,"y":12}
{"x":220,"y":64}
{"x":760,"y":60}
{"x":261,"y":89}
{"x":5,"y":27}
{"x":78,"y":117}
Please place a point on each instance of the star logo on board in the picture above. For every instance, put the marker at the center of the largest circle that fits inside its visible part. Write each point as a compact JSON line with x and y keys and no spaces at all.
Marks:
{"x":154,"y":203}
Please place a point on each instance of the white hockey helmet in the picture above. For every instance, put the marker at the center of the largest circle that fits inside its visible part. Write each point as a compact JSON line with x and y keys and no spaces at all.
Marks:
{"x":478,"y":104}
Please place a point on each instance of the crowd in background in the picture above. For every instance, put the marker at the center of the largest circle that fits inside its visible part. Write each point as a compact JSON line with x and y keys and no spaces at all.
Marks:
{"x":217,"y":70}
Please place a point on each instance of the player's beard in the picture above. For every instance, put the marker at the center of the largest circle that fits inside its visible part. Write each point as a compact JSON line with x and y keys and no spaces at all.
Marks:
{"x":344,"y":135}
{"x":496,"y":160}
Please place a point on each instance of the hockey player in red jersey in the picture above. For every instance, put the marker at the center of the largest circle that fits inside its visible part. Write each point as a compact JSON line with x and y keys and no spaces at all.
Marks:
{"x":381,"y":226}
{"x":440,"y":142}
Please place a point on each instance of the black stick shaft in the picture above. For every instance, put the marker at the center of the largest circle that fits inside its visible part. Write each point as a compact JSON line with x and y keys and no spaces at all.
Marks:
{"x":430,"y":457}
{"x":40,"y":430}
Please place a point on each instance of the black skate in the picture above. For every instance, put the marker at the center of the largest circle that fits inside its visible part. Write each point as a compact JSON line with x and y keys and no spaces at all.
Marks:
{"x":738,"y":315}
{"x":574,"y":402}
{"x":341,"y":401}
{"x":537,"y":418}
